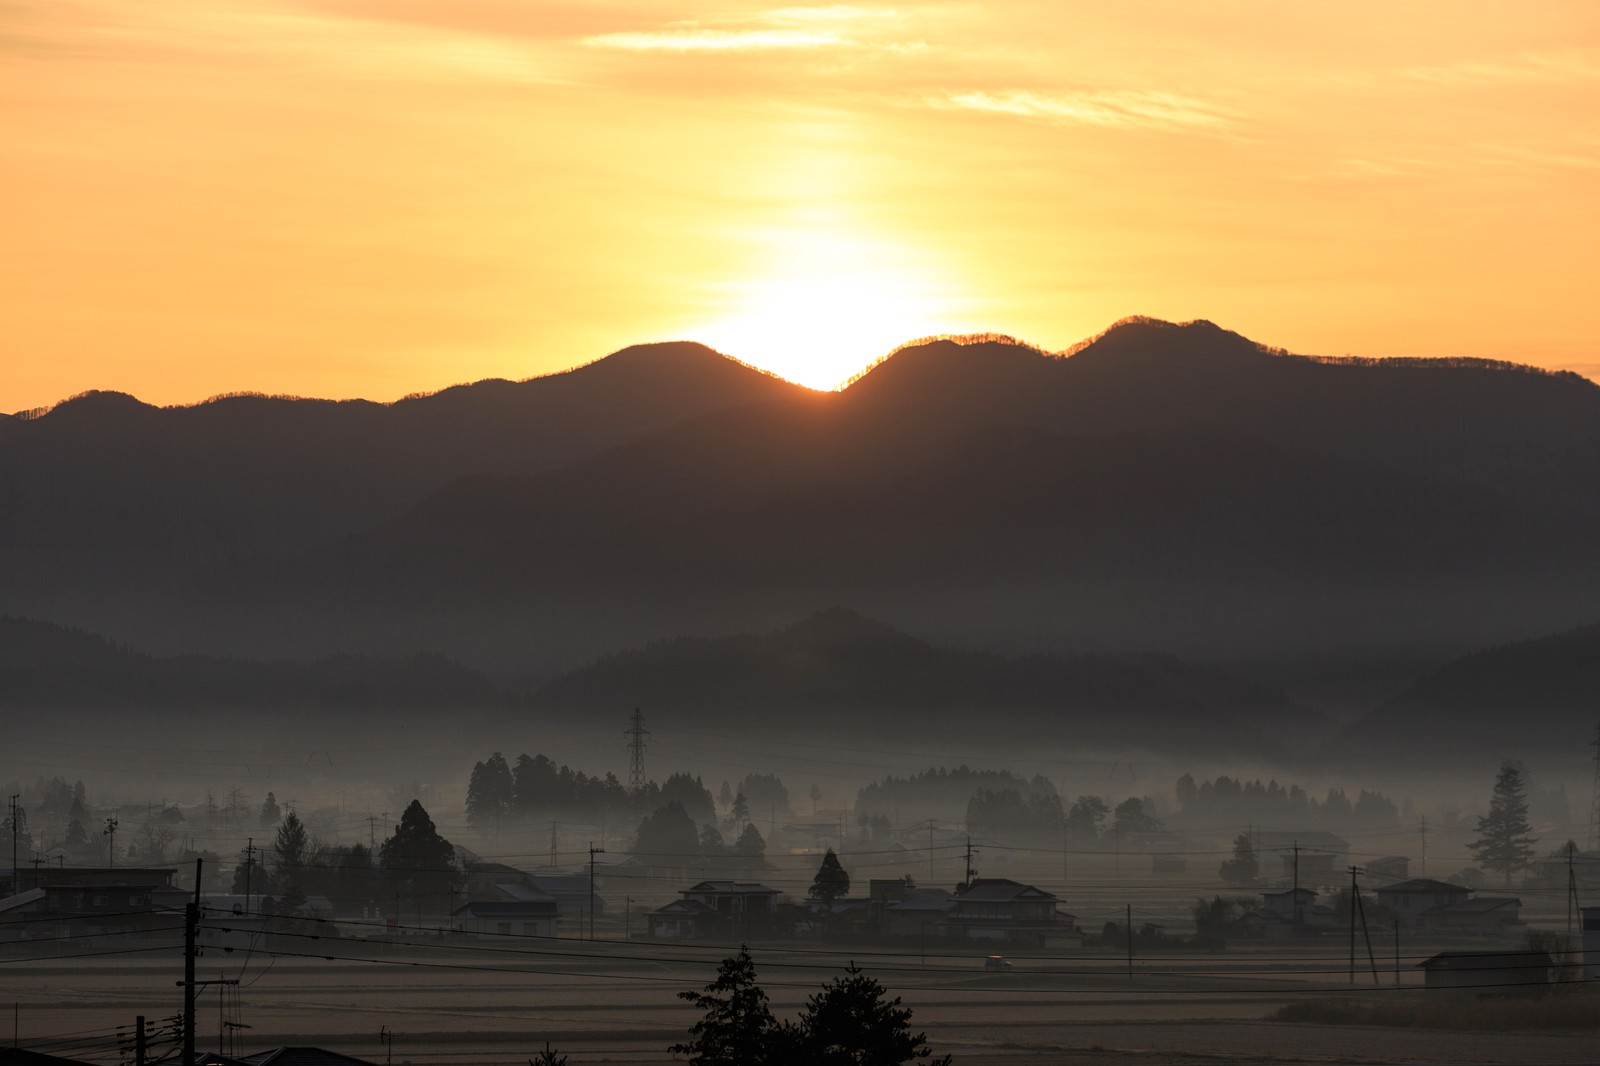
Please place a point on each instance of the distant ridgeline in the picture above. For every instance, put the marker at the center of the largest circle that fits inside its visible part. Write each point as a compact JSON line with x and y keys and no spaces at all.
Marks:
{"x":1227,"y":801}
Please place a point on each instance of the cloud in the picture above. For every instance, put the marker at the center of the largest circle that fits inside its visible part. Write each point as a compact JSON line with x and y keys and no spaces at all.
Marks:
{"x":784,"y":28}
{"x":1552,"y":66}
{"x":700,"y":39}
{"x":1118,"y":109}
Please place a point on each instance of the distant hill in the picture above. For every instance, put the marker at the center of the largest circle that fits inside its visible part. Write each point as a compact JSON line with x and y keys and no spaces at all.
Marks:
{"x":47,"y":667}
{"x":1533,"y":696}
{"x":847,"y":674}
{"x":1162,"y":486}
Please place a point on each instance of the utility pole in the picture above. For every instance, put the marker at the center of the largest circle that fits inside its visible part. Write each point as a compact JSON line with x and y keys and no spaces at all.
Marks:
{"x":139,"y":1051}
{"x":1130,"y":941}
{"x":249,"y":863}
{"x":1422,"y":828}
{"x":553,"y":855}
{"x":1352,"y":925}
{"x":593,"y":851}
{"x":16,"y":882}
{"x":1299,"y":917}
{"x":191,"y":929}
{"x":111,"y":849}
{"x":372,"y":832}
{"x":967,"y":883}
{"x":636,"y":734}
{"x":930,"y":852}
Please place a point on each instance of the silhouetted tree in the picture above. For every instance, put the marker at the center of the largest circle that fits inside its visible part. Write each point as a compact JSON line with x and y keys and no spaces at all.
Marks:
{"x":668,"y":838}
{"x":270,"y":812}
{"x":736,"y":1027}
{"x":1244,"y":867}
{"x":490,"y":792}
{"x":1086,"y":816}
{"x":750,"y":844}
{"x":831,"y":881}
{"x":418,"y":859}
{"x":1503,"y":842}
{"x":849,"y":1023}
{"x":741,"y":809}
{"x":1131,"y":818}
{"x":289,"y":849}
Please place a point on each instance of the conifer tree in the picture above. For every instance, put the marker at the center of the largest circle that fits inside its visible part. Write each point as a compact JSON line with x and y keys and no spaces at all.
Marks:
{"x":1503,"y":842}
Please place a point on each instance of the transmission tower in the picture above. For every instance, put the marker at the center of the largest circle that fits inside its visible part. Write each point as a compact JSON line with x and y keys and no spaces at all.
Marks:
{"x":636,"y":734}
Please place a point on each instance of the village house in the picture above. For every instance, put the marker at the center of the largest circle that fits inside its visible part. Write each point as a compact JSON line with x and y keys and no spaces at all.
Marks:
{"x":1425,"y":905}
{"x":1283,"y":915}
{"x":1311,"y":857}
{"x":715,"y":909}
{"x":92,"y":902}
{"x":1009,"y":911}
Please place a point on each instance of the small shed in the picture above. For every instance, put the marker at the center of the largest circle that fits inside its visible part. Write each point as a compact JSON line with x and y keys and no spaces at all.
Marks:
{"x":1489,"y":973}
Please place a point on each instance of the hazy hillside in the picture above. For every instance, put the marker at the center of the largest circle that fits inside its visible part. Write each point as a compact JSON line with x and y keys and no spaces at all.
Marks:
{"x":110,"y":501}
{"x":1537,"y":695}
{"x":44,"y":667}
{"x":841,"y":671}
{"x":1170,"y":487}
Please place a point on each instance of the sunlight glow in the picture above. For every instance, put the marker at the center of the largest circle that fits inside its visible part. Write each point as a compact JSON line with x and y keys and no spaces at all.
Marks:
{"x":835,"y":306}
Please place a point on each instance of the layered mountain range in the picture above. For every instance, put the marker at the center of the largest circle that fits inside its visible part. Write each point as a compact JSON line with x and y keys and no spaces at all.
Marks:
{"x":1176,"y":488}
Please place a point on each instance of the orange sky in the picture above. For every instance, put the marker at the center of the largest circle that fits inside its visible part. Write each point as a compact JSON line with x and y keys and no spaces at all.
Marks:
{"x":373,"y":197}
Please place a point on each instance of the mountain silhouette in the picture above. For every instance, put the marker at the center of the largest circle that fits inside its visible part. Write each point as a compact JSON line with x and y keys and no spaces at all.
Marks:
{"x":837,"y":670}
{"x":1160,"y":486}
{"x":1540,"y":695}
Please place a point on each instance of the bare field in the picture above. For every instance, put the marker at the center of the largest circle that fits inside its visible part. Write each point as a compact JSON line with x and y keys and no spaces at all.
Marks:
{"x":613,"y":1002}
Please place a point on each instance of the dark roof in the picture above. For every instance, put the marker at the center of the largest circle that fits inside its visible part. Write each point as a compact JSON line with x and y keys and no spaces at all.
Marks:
{"x":686,"y":908}
{"x":498,"y":908}
{"x":303,"y":1056}
{"x":15,"y":1056}
{"x":1000,"y":890}
{"x":735,"y":888}
{"x":1486,"y":960}
{"x":924,"y":899}
{"x":1424,"y":884}
{"x":1475,"y":906}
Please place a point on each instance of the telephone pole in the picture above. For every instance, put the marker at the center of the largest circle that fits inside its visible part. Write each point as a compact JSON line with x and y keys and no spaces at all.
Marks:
{"x":16,"y":882}
{"x":249,"y":863}
{"x":1422,"y":828}
{"x":967,"y":883}
{"x":111,"y":849}
{"x":636,"y":734}
{"x":593,"y":851}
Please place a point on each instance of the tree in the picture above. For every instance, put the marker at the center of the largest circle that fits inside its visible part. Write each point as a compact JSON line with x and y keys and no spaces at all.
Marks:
{"x":1186,"y":790}
{"x":750,"y":844}
{"x":737,"y":1028}
{"x":289,"y":848}
{"x":741,"y":809}
{"x":1503,"y":842}
{"x":270,"y":812}
{"x":848,"y":1023}
{"x":668,"y":838}
{"x":416,"y":857}
{"x":725,"y":795}
{"x":1243,"y":868}
{"x":1131,"y":819}
{"x":1086,"y":816}
{"x":831,"y":881}
{"x":490,"y":793}
{"x":816,"y":797}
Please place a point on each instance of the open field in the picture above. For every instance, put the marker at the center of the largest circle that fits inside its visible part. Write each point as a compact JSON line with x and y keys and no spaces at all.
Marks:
{"x":613,"y":1002}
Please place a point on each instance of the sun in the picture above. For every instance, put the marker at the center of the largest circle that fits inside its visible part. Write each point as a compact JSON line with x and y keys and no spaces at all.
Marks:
{"x":833,"y":306}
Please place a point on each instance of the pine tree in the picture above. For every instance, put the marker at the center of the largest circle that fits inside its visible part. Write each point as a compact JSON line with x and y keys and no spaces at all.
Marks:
{"x":831,"y":881}
{"x":289,"y":848}
{"x":1244,"y":867}
{"x":1503,"y":842}
{"x":418,"y":858}
{"x":848,"y":1023}
{"x":737,"y":1028}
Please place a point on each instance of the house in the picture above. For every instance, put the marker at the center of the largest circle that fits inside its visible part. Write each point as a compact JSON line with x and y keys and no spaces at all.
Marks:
{"x":1282,"y":915}
{"x":1439,"y":906}
{"x":282,"y":1056}
{"x":920,"y":912}
{"x":1496,"y":973}
{"x":1009,"y":911}
{"x":715,"y":908}
{"x":506,"y":918}
{"x":574,"y":895}
{"x":90,"y":903}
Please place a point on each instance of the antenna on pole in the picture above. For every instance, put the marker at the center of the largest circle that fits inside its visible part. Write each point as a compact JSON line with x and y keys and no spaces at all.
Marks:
{"x":636,"y":734}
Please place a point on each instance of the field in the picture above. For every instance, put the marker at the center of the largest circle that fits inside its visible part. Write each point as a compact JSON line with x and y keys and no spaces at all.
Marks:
{"x":615,"y":1002}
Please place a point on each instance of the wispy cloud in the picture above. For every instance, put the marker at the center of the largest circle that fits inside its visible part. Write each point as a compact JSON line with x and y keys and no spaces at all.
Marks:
{"x":1552,"y":66}
{"x":704,"y":39}
{"x":1121,"y":108}
{"x":784,"y":28}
